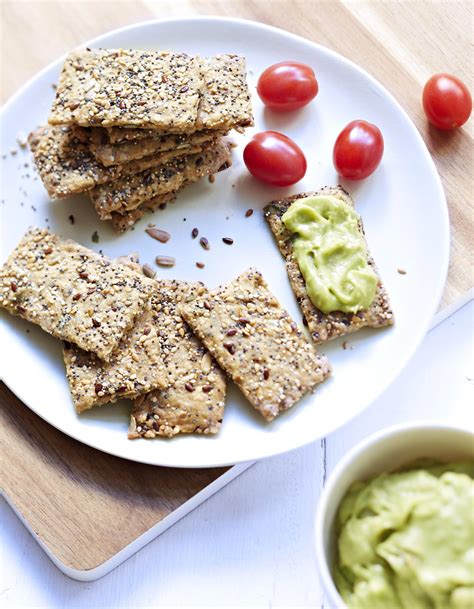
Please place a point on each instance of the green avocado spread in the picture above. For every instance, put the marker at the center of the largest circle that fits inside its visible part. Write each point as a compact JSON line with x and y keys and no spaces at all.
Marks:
{"x":406,"y":540}
{"x":331,"y":254}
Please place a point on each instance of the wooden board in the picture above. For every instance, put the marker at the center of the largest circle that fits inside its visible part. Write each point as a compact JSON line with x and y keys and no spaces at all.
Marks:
{"x":85,"y":505}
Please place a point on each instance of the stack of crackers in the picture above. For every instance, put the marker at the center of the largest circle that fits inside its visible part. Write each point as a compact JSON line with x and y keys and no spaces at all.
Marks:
{"x":132,"y":128}
{"x":167,"y":344}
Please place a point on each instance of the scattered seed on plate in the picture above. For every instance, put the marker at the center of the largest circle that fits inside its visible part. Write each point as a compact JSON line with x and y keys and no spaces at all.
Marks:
{"x":194,"y":233}
{"x":402,"y":271}
{"x":22,"y":139}
{"x":148,"y":271}
{"x":212,"y":178}
{"x":160,"y":235}
{"x":165,"y":261}
{"x":227,"y":240}
{"x":95,"y":237}
{"x":200,"y":265}
{"x":204,"y":243}
{"x":248,"y":213}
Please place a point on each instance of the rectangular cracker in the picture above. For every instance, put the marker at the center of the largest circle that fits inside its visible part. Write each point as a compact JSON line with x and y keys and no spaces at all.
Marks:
{"x":134,"y":368}
{"x":225,"y":102}
{"x":325,"y":327}
{"x":130,"y":192}
{"x":256,"y":343}
{"x":66,"y":165}
{"x":72,"y":292}
{"x":193,"y":401}
{"x":118,"y":87}
{"x":118,"y":154}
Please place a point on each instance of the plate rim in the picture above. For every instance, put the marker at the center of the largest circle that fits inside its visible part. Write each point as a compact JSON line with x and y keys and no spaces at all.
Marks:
{"x":446,"y":242}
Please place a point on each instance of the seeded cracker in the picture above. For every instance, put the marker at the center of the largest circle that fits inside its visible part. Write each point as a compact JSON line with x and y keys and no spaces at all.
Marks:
{"x":72,"y":292}
{"x":117,"y":154}
{"x":117,"y":135}
{"x":225,"y":103}
{"x":134,"y":368}
{"x":193,"y":401}
{"x":66,"y":165}
{"x":106,"y":87}
{"x":325,"y":327}
{"x":256,"y":343}
{"x":131,"y":191}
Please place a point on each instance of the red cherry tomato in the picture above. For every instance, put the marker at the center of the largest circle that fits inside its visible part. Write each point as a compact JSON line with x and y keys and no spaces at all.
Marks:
{"x":446,"y":101}
{"x":287,"y":86}
{"x":358,"y":150}
{"x":274,"y":158}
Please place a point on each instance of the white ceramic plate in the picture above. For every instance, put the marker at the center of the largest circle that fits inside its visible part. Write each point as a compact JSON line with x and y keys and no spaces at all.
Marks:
{"x":402,"y":204}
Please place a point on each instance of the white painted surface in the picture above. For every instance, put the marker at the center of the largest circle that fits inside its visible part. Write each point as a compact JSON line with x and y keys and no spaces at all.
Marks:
{"x":251,"y":545}
{"x":402,"y":204}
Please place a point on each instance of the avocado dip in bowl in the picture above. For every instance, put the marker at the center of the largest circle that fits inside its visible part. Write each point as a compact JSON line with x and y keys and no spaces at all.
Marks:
{"x":395,"y":524}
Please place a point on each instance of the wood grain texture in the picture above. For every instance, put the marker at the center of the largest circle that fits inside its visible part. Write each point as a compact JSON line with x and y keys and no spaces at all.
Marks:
{"x":83,"y":504}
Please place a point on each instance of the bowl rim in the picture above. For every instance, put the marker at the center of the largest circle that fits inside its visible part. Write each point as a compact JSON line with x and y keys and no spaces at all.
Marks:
{"x":354,"y":453}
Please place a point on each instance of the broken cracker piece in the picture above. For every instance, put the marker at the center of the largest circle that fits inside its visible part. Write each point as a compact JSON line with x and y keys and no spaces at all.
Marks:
{"x":256,"y":343}
{"x":134,"y":368}
{"x":72,"y":292}
{"x":193,"y":401}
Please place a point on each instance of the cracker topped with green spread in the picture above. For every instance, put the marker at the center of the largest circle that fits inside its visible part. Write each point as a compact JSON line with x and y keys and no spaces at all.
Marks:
{"x":326,"y":326}
{"x":72,"y":292}
{"x":256,"y":342}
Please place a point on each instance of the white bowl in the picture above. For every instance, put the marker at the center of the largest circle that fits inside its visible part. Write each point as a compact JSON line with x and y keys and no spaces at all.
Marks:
{"x":383,"y":451}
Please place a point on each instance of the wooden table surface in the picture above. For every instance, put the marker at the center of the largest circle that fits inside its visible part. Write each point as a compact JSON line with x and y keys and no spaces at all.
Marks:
{"x":400,"y":43}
